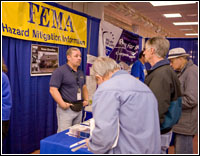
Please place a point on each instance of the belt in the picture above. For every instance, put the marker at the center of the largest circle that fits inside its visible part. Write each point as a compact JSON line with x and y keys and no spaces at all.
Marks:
{"x":77,"y":105}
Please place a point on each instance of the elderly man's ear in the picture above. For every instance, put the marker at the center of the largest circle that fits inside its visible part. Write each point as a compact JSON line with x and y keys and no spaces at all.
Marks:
{"x":99,"y":79}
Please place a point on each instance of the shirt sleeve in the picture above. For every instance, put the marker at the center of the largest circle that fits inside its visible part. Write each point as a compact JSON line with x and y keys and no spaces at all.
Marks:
{"x":190,"y":90}
{"x":6,"y":98}
{"x":106,"y":116}
{"x":56,"y":79}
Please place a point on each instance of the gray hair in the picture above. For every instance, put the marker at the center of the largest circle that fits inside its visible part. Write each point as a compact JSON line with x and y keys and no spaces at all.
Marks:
{"x":160,"y":44}
{"x":104,"y":65}
{"x":70,"y":50}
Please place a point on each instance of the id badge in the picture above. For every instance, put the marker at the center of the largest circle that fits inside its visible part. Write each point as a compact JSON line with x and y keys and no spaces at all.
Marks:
{"x":79,"y":94}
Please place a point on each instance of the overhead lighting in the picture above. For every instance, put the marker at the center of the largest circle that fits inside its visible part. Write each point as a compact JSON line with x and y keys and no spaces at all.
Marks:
{"x":172,"y":15}
{"x":185,"y":29}
{"x":194,"y":34}
{"x":165,"y":3}
{"x":192,"y":15}
{"x":185,"y":23}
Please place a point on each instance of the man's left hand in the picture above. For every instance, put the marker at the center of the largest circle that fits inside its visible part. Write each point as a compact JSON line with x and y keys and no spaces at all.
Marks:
{"x":85,"y":102}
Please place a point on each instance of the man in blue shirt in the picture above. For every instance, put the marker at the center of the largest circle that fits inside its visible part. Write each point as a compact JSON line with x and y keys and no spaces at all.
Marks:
{"x":138,"y":69}
{"x":125,"y":113}
{"x":67,"y":86}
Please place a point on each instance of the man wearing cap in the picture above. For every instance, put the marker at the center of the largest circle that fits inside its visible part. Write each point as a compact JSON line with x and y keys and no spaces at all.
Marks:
{"x":165,"y":85}
{"x":187,"y":126}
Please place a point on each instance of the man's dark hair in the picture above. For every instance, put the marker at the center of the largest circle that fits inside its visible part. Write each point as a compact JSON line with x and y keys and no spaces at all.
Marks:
{"x":141,"y":54}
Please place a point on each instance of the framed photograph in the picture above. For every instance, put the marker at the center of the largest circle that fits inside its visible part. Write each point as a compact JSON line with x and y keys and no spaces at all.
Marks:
{"x":44,"y":59}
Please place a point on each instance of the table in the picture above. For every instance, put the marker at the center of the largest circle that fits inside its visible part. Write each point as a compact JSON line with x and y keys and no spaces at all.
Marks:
{"x":60,"y":144}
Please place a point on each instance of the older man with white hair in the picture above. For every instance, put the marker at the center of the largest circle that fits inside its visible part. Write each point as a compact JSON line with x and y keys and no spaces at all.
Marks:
{"x":187,"y":126}
{"x":164,"y":83}
{"x":125,"y":112}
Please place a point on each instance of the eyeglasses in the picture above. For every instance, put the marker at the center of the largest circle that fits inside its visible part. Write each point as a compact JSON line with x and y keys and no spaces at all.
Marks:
{"x":145,"y":49}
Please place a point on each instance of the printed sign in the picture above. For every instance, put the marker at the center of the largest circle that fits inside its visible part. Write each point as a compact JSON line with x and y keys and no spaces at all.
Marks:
{"x":41,"y":22}
{"x":119,"y":44}
{"x":126,"y":49}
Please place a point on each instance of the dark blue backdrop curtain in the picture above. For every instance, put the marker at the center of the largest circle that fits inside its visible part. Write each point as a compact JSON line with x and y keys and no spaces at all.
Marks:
{"x":33,"y":115}
{"x":189,"y":44}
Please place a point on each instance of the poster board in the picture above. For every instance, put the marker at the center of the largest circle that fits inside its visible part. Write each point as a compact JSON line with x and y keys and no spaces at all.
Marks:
{"x":118,"y":44}
{"x":44,"y":60}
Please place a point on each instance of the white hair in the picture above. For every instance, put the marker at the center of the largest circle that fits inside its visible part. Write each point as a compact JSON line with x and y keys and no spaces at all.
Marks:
{"x":160,"y":44}
{"x":104,"y":65}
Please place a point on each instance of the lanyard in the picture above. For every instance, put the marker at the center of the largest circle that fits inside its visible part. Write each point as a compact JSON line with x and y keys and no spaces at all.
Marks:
{"x":76,"y":77}
{"x":78,"y":84}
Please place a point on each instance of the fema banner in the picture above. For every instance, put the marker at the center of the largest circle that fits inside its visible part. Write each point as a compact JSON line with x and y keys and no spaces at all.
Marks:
{"x":119,"y":44}
{"x":41,"y":22}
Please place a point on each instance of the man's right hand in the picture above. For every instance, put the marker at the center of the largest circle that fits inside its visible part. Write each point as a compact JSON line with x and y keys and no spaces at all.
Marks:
{"x":66,"y":105}
{"x":57,"y":97}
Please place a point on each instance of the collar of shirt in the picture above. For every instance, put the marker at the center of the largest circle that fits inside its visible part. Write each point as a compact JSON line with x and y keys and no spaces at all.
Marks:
{"x":71,"y":68}
{"x":160,"y":63}
{"x":119,"y":72}
{"x":189,"y":63}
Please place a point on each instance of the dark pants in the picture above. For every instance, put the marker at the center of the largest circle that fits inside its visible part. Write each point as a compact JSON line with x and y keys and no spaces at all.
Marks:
{"x":5,"y":128}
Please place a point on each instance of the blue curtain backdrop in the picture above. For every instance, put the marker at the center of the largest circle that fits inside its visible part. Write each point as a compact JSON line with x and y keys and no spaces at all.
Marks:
{"x":33,"y":115}
{"x":189,"y":44}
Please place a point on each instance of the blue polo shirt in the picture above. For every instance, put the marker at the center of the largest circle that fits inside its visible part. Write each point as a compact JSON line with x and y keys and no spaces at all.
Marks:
{"x":137,"y":70}
{"x":67,"y":81}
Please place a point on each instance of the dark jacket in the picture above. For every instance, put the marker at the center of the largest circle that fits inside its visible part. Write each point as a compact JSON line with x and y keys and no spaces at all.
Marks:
{"x":165,"y":85}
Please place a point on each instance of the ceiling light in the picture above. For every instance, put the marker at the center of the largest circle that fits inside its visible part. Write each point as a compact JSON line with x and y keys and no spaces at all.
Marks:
{"x":194,"y":34}
{"x":185,"y":23}
{"x":164,"y":3}
{"x":192,"y":15}
{"x":172,"y":15}
{"x":185,"y":29}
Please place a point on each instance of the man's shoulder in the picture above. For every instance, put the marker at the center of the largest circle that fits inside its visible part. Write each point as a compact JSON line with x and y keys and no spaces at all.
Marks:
{"x":190,"y":71}
{"x":164,"y":69}
{"x":61,"y":68}
{"x":136,"y":62}
{"x":4,"y":76}
{"x":135,"y":65}
{"x":192,"y":67}
{"x":163,"y":72}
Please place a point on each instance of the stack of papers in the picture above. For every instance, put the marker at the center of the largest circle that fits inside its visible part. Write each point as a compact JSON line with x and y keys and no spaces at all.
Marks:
{"x":79,"y":131}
